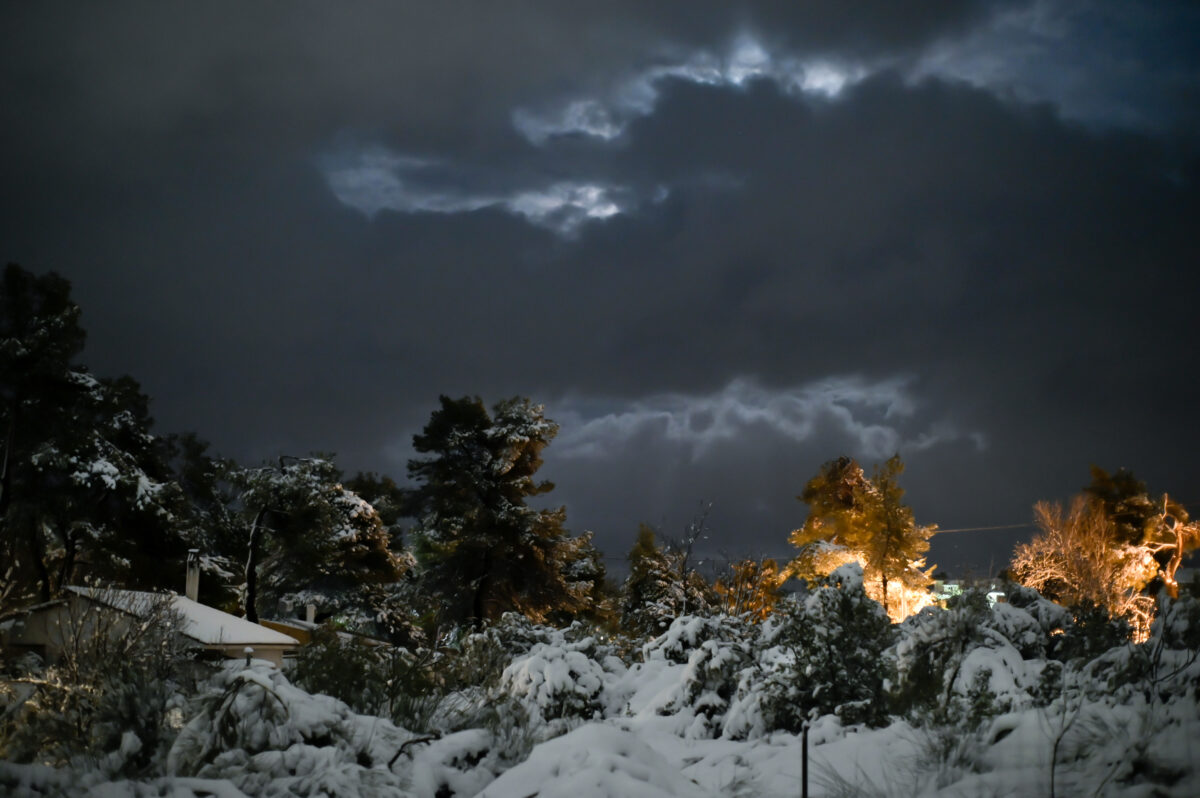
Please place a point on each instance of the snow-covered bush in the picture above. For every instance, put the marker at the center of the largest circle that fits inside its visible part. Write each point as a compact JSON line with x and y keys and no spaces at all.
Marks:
{"x":254,"y":728}
{"x":930,"y":653}
{"x":953,"y":662}
{"x":714,"y":652}
{"x":555,"y":682}
{"x":594,"y":760}
{"x":686,"y":634}
{"x":403,"y":686}
{"x":112,"y":700}
{"x":830,"y":656}
{"x":562,"y":677}
{"x":1167,"y":664}
{"x":480,"y":657}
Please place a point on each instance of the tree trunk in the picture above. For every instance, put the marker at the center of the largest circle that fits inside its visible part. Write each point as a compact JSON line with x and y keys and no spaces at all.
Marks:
{"x":70,"y":550}
{"x":39,"y":559}
{"x":5,"y":467}
{"x":252,"y":567}
{"x":477,"y":603}
{"x":1176,"y":554}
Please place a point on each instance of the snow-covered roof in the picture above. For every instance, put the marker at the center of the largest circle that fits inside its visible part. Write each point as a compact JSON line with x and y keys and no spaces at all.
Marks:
{"x":202,"y":623}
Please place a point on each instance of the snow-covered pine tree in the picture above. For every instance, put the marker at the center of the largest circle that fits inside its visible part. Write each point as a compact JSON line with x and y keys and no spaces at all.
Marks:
{"x":82,"y":479}
{"x":658,"y":590}
{"x":836,"y":639}
{"x":482,"y":550}
{"x":313,"y":541}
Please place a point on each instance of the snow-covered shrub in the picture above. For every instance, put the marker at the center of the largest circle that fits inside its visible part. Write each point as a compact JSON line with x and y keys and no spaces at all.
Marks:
{"x":253,"y":727}
{"x":930,"y":653}
{"x":714,"y":652}
{"x":555,"y":682}
{"x":562,"y":677}
{"x":690,"y":632}
{"x":941,"y":654}
{"x":347,"y":669}
{"x":404,"y":686}
{"x":112,"y":700}
{"x":458,"y":764}
{"x":832,"y":659}
{"x":479,"y":658}
{"x":1051,"y":618}
{"x":1167,"y":664}
{"x":1089,"y":632}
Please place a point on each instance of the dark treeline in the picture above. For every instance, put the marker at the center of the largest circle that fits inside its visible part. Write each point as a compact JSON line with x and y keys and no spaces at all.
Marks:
{"x":90,"y":493}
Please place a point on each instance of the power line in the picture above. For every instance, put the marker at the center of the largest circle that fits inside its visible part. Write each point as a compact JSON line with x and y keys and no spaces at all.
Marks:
{"x":983,"y":528}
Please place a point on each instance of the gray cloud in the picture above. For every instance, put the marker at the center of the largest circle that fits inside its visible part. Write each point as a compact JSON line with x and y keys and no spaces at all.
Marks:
{"x":374,"y":179}
{"x":937,"y":218}
{"x":745,"y":58}
{"x":871,"y":415}
{"x":1093,"y":60}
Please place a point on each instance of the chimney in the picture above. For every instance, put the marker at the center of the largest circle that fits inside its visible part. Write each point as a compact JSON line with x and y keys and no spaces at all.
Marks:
{"x":192,"y":586}
{"x":310,"y":613}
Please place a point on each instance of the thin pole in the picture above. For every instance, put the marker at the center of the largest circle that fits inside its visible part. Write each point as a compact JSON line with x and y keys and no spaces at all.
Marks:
{"x":804,"y":761}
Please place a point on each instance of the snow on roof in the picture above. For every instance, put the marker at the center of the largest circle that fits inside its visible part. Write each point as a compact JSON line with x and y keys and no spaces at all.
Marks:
{"x":202,"y":623}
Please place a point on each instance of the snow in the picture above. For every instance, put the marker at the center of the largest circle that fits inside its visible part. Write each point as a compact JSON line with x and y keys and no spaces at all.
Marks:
{"x":688,"y":720}
{"x":202,"y":623}
{"x":594,"y":761}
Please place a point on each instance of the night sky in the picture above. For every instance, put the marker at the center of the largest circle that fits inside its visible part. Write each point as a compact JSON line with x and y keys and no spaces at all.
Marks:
{"x":721,"y":243}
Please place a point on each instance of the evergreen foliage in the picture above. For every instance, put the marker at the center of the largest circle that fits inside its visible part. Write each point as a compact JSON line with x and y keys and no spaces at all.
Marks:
{"x":82,"y":479}
{"x":836,"y":638}
{"x":326,"y":546}
{"x":659,"y":589}
{"x":483,"y":550}
{"x":750,"y":587}
{"x":864,"y":519}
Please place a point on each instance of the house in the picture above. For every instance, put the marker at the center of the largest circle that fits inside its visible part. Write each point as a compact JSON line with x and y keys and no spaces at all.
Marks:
{"x":946,"y":589}
{"x":47,"y":628}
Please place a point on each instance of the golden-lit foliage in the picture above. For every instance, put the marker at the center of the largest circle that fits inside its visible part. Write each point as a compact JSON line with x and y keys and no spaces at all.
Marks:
{"x":819,"y":559}
{"x":751,"y":587}
{"x":1079,"y":557}
{"x":853,"y":518}
{"x":905,"y":596}
{"x":907,"y":593}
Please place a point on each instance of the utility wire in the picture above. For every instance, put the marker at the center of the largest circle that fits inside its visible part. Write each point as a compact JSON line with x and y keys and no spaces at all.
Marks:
{"x":982,"y":528}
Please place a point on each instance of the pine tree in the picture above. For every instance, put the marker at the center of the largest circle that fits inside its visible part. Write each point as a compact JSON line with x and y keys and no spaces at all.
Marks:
{"x":83,"y":482}
{"x":852,"y":517}
{"x":213,"y":525}
{"x":836,"y":638}
{"x":658,"y":589}
{"x":482,"y":550}
{"x":311,"y":540}
{"x":1159,"y":526}
{"x":896,"y":545}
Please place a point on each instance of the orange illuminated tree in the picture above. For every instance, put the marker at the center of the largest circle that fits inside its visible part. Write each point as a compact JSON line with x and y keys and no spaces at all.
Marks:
{"x":1087,"y":554}
{"x":853,"y":518}
{"x":751,"y":587}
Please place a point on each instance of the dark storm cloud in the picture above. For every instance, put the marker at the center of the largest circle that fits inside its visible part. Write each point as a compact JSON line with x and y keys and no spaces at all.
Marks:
{"x":995,"y":270}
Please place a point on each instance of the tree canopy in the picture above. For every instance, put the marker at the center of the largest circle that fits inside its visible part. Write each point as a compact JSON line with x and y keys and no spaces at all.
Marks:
{"x":851,"y":517}
{"x":482,"y":549}
{"x":82,"y":479}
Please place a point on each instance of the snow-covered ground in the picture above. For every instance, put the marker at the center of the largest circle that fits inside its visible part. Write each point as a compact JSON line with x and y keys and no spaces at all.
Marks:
{"x":692,"y":715}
